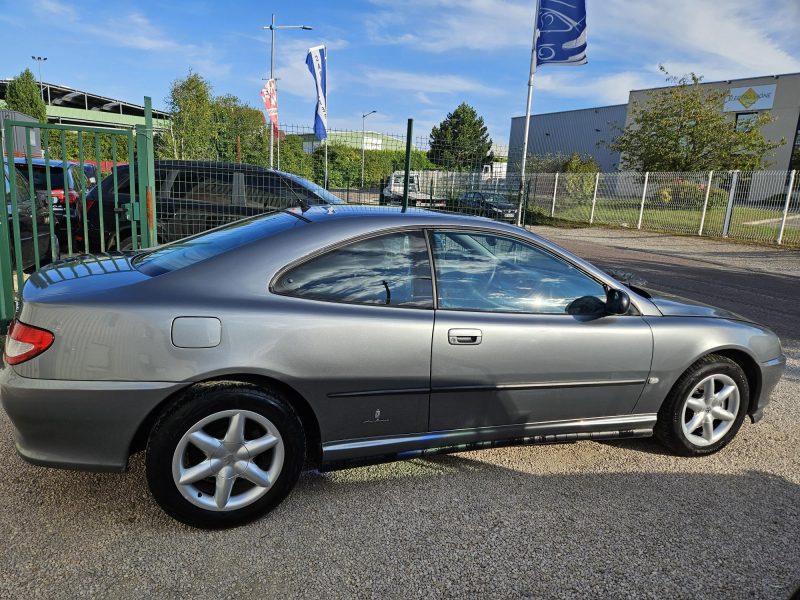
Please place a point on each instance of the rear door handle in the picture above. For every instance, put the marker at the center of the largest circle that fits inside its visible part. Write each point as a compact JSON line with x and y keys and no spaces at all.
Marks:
{"x":465,"y":337}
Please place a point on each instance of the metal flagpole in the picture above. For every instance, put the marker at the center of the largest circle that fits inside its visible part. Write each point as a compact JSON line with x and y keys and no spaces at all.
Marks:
{"x":272,"y":76}
{"x":520,"y":217}
{"x":327,"y":112}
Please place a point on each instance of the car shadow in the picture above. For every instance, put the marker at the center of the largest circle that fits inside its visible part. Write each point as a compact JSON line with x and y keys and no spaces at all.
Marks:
{"x":538,"y":521}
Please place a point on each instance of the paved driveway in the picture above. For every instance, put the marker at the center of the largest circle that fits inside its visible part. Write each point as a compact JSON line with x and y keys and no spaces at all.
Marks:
{"x":580,"y":520}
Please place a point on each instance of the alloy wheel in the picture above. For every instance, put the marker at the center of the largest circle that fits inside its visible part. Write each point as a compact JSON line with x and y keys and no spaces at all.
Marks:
{"x":228,"y":460}
{"x":710,"y":410}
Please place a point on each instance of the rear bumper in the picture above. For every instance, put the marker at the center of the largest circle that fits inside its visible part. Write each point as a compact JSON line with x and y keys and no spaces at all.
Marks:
{"x":771,"y":372}
{"x":84,"y":425}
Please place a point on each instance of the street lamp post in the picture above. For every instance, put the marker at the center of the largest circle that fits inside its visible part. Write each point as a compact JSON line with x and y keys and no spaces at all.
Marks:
{"x":272,"y":27}
{"x":363,"y":133}
{"x":40,"y":60}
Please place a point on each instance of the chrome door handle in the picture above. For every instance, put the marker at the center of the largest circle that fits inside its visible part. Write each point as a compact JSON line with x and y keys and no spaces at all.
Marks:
{"x":465,"y":337}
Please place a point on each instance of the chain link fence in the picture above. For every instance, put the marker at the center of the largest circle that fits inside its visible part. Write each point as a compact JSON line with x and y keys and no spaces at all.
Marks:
{"x":193,"y":194}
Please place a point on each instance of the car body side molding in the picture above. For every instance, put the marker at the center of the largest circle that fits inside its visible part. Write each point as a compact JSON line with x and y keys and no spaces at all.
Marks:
{"x":482,"y":388}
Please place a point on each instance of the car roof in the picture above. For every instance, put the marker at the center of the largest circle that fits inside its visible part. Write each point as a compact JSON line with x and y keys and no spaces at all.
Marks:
{"x":394,"y":215}
{"x":54,"y":162}
{"x":212,"y":164}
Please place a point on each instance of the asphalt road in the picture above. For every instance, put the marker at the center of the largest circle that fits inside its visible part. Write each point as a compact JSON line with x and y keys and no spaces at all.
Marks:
{"x":587,"y":519}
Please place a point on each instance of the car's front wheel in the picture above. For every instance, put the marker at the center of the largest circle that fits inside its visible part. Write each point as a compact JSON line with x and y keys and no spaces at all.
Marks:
{"x":705,"y":408}
{"x":224,"y":454}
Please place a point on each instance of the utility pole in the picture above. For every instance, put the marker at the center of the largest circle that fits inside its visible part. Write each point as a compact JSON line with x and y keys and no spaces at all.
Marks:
{"x":272,"y":27}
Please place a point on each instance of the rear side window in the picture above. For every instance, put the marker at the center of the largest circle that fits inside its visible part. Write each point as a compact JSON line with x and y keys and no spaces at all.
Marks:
{"x":388,"y":270}
{"x":40,"y":176}
{"x":191,"y":250}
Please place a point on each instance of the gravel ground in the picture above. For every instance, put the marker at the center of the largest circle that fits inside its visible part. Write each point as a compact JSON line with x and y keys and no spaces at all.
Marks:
{"x":587,"y":519}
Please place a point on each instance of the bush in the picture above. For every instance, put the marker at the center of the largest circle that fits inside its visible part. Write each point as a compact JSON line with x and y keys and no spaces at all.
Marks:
{"x":687,"y":194}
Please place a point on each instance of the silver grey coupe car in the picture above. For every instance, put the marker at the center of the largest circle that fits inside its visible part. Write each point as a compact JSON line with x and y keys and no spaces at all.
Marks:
{"x":341,"y":335}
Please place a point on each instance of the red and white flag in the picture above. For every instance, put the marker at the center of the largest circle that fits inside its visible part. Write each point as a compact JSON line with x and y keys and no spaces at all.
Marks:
{"x":269,"y":94}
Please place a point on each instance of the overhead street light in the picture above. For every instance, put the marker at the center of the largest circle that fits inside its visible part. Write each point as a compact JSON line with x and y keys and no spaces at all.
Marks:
{"x":40,"y":60}
{"x":272,"y":27}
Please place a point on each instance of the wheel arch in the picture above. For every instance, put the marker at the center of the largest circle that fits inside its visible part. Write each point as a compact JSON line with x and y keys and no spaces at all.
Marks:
{"x":301,"y":406}
{"x":751,"y":370}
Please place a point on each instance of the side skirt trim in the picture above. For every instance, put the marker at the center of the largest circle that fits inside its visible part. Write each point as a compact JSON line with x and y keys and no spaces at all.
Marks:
{"x":350,"y":453}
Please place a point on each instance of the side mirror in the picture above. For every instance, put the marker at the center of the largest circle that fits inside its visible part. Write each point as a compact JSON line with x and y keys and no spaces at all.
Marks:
{"x":617,"y":302}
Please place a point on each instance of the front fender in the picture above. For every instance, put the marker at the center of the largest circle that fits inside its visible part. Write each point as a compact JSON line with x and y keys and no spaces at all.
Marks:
{"x":678,"y":342}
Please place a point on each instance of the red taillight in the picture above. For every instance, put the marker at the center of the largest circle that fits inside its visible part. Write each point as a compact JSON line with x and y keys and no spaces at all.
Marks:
{"x":73,"y":197}
{"x":25,"y":341}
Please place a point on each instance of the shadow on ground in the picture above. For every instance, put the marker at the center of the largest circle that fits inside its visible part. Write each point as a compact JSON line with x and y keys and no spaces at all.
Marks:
{"x":459,"y":525}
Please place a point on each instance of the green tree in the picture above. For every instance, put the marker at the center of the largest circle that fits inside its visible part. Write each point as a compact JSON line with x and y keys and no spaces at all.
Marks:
{"x":292,"y":156}
{"x":24,"y":95}
{"x":344,"y":165}
{"x":461,"y":141}
{"x":239,"y":128}
{"x":579,"y":176}
{"x":192,"y":131}
{"x":683,"y":128}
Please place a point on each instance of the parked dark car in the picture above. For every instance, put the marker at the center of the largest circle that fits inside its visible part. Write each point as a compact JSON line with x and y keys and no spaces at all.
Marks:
{"x":488,"y":204}
{"x":26,"y":221}
{"x":76,"y":181}
{"x":339,"y":335}
{"x":194,"y":196}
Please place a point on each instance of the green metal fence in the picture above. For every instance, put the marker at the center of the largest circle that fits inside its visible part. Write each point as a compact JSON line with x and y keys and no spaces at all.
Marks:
{"x":55,"y":209}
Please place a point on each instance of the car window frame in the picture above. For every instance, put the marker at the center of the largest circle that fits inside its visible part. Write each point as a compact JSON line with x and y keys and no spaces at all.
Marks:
{"x":352,"y":240}
{"x":633,"y":311}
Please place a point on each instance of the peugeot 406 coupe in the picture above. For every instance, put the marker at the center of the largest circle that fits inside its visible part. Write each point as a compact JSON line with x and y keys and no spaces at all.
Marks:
{"x":338,"y":335}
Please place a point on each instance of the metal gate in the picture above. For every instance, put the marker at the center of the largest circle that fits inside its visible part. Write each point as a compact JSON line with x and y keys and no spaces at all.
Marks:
{"x":72,"y":190}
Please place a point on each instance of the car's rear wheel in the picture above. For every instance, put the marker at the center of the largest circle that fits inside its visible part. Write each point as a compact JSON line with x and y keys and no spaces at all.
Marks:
{"x":705,"y":407}
{"x":224,"y":454}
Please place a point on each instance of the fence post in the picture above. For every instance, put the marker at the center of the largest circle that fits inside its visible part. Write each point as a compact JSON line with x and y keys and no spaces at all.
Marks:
{"x":729,"y":210}
{"x":644,"y":195}
{"x":705,"y":203}
{"x":151,"y":174}
{"x":594,"y":197}
{"x":786,"y":205}
{"x":555,"y":191}
{"x":409,"y":133}
{"x":7,"y":306}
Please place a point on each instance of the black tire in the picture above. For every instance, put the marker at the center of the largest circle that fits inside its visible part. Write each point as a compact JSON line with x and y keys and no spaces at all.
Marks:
{"x":669,"y":426}
{"x":197,"y":403}
{"x":125,"y":244}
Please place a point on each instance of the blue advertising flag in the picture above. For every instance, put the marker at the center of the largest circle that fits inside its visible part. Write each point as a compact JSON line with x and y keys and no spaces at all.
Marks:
{"x":561,"y":36}
{"x":317,"y":61}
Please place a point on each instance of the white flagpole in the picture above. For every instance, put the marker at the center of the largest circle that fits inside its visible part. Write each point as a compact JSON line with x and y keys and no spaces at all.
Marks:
{"x":327,"y":112}
{"x":520,"y":217}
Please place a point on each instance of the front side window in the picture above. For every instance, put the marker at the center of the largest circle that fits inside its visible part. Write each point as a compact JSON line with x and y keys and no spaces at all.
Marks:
{"x":388,"y":270}
{"x":492,"y":273}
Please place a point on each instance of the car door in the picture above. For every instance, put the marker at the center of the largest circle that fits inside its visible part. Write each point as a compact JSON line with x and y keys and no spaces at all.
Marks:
{"x":359,"y":320}
{"x":518,"y":338}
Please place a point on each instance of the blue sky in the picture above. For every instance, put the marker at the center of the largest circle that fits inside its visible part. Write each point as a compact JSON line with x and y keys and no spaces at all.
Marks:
{"x":403,"y":58}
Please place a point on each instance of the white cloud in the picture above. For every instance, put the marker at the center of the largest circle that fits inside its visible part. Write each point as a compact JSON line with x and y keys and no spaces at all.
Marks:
{"x":739,"y":40}
{"x":452,"y":24}
{"x":133,"y":30}
{"x":425,"y":83}
{"x":611,"y":89}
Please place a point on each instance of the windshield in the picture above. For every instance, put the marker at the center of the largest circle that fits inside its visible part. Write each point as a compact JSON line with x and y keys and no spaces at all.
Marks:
{"x":191,"y":250}
{"x":324,"y":195}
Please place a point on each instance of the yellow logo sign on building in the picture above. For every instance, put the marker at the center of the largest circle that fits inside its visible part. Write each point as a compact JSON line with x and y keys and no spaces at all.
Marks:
{"x":748,"y":98}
